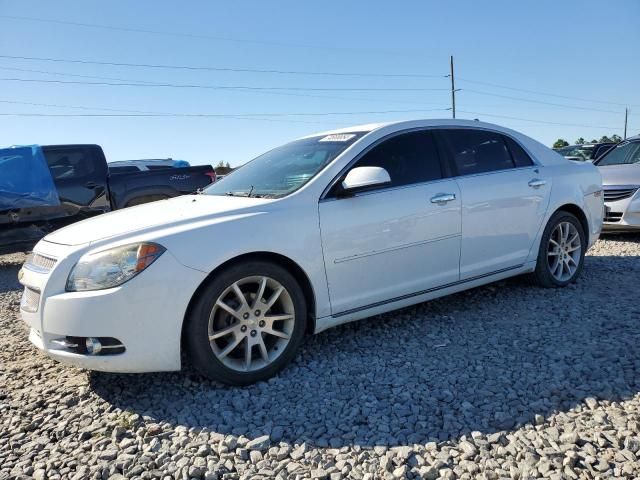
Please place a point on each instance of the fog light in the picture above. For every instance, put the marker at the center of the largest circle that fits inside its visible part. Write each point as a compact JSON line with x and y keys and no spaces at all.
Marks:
{"x":93,"y":346}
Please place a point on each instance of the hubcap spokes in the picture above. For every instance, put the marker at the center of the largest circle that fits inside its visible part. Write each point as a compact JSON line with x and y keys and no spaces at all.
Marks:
{"x":564,"y":251}
{"x":251,"y":323}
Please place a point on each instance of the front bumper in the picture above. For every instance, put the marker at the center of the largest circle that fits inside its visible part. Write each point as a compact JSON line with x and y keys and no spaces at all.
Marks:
{"x":145,"y":314}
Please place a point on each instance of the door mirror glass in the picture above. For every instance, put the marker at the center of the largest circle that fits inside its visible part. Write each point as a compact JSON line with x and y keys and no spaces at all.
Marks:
{"x":363,"y":177}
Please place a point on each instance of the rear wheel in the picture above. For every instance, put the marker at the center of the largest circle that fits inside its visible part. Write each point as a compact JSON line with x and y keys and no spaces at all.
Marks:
{"x":247,"y":324}
{"x":561,"y":254}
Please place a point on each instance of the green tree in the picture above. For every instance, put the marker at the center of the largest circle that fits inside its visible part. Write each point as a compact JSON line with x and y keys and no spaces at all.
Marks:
{"x":580,"y":141}
{"x":605,"y":139}
{"x":228,"y":165}
{"x":561,"y":142}
{"x":616,"y":138}
{"x":220,"y":164}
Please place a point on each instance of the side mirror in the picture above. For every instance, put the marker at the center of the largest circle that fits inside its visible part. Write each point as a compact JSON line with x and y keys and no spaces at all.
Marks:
{"x":363,"y":177}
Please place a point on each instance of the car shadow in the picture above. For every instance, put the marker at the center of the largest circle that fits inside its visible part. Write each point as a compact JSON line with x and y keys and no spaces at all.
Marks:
{"x":488,"y":360}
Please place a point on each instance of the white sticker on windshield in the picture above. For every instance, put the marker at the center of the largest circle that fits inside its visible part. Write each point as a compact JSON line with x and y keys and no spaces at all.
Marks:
{"x":338,"y":137}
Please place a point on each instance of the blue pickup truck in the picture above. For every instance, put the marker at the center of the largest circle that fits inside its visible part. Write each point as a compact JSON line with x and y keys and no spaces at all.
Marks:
{"x":43,"y":188}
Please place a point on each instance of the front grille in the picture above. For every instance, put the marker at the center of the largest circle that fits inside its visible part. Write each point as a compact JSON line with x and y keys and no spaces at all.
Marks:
{"x":615,"y":193}
{"x":613,"y":217}
{"x":39,"y":263}
{"x":30,"y":300}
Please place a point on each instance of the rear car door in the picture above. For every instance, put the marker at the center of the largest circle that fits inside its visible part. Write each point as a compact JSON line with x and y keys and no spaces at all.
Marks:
{"x":395,"y":240}
{"x":80,"y":176}
{"x":504,"y":199}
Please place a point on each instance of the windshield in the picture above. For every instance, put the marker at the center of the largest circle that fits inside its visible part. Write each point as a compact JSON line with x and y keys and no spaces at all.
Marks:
{"x":624,"y":153}
{"x":580,"y":151}
{"x":284,"y":169}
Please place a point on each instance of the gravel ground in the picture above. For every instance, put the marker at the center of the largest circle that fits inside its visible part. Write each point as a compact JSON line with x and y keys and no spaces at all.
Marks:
{"x":504,"y":381}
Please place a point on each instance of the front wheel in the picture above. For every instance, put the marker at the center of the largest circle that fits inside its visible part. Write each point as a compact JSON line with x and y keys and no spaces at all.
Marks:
{"x":247,"y":324}
{"x":561,"y":254}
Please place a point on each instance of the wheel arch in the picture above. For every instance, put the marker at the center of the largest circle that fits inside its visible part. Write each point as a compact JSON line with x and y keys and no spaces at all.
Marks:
{"x":299,"y":274}
{"x":579,"y":214}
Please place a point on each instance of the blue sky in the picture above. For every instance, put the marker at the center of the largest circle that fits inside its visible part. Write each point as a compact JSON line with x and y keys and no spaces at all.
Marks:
{"x":586,"y":50}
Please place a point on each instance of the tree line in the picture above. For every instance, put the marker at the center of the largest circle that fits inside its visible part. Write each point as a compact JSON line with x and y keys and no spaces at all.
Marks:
{"x":561,"y":142}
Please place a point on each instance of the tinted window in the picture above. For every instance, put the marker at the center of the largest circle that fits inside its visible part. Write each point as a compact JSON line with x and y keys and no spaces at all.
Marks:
{"x":408,"y":158}
{"x":69,"y":163}
{"x":476,"y":151}
{"x":520,"y":157}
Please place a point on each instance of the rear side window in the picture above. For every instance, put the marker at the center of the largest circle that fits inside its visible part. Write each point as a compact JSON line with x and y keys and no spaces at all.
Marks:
{"x":477,"y":151}
{"x":408,"y":158}
{"x":72,"y":163}
{"x":520,"y":157}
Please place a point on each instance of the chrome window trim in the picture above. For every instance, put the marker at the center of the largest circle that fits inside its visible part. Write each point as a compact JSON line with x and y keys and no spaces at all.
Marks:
{"x":331,"y":184}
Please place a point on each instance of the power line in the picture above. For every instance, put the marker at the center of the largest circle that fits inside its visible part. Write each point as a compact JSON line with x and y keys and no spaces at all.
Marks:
{"x":541,"y":102}
{"x":139,"y":113}
{"x":223,"y":69}
{"x":226,"y":87}
{"x":567,"y":97}
{"x":289,"y":94}
{"x":201,"y":36}
{"x":537,"y":121}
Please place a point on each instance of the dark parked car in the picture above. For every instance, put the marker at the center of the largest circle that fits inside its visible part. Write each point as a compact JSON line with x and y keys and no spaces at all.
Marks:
{"x":585,"y":152}
{"x":80,"y":185}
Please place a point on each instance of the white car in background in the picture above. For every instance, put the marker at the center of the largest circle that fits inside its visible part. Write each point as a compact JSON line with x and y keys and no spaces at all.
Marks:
{"x":620,"y":169}
{"x":327,"y":229}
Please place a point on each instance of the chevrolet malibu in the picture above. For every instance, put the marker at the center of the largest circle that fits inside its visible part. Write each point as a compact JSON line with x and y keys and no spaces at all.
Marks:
{"x":324,"y":230}
{"x":620,"y":169}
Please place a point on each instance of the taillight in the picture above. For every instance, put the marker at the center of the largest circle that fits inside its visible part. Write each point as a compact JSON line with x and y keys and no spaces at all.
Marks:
{"x":211,"y":175}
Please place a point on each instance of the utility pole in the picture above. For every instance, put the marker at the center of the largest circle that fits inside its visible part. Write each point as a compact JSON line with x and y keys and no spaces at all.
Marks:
{"x":453,"y":91}
{"x":626,"y":114}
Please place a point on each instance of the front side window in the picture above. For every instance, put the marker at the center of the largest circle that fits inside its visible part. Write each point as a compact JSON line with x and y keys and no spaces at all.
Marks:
{"x":477,"y":151}
{"x":624,"y":153}
{"x":284,"y":169}
{"x":408,"y":158}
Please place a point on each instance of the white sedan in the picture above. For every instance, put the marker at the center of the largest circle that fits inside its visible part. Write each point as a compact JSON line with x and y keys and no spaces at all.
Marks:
{"x":324,"y":230}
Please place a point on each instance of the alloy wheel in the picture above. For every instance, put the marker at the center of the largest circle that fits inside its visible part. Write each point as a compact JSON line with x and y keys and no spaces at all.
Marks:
{"x":564,"y":251}
{"x":251,"y":323}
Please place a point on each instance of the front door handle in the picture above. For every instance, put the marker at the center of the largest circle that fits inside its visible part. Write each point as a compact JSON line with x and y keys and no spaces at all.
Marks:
{"x":443,"y":198}
{"x":537,"y":183}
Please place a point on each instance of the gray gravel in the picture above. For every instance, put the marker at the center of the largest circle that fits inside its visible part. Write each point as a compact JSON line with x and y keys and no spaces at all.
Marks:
{"x":505,"y":381}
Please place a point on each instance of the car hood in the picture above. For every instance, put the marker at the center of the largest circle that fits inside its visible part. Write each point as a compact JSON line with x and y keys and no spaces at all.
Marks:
{"x":160,"y":214}
{"x":621,"y":174}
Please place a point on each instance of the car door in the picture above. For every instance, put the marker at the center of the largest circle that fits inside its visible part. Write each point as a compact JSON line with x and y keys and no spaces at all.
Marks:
{"x":504,"y":199}
{"x":397,"y":240}
{"x":80,"y":175}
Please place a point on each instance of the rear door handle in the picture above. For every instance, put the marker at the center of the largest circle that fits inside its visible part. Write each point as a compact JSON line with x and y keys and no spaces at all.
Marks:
{"x":443,"y":198}
{"x":537,"y":183}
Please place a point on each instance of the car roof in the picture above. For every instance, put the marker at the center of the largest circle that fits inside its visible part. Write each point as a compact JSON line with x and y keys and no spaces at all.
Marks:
{"x":399,"y":125}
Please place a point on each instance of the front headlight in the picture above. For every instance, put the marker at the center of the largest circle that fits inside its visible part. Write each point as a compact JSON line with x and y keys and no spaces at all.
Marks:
{"x":113,"y":267}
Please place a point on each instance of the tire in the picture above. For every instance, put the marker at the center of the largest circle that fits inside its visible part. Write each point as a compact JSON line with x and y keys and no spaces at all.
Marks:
{"x":548,"y":273}
{"x":219,"y":309}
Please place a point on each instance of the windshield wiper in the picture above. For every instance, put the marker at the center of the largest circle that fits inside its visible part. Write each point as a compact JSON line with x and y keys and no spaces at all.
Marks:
{"x":241,"y":194}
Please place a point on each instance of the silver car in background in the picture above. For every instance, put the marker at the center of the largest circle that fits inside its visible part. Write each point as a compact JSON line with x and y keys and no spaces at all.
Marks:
{"x":620,"y":169}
